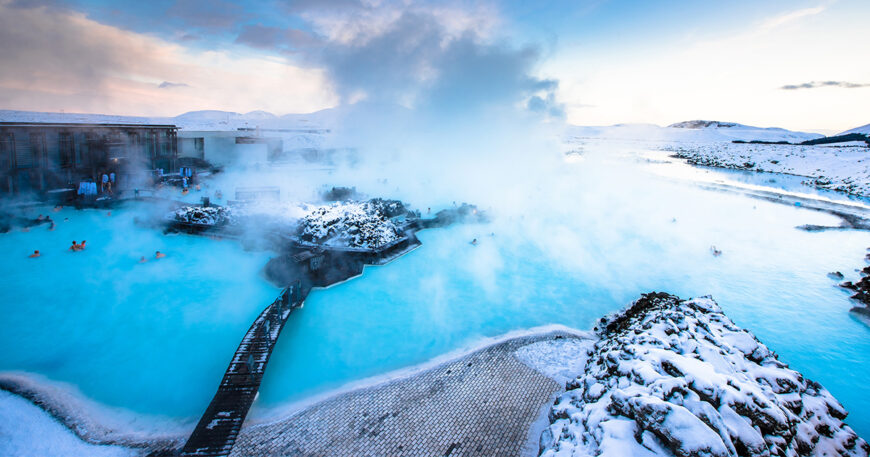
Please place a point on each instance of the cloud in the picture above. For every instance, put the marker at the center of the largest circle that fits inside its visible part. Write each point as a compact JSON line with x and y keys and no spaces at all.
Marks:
{"x":275,"y":38}
{"x":434,"y":58}
{"x":791,"y":17}
{"x":66,"y":61}
{"x":169,"y":85}
{"x":817,"y":84}
{"x":207,"y":14}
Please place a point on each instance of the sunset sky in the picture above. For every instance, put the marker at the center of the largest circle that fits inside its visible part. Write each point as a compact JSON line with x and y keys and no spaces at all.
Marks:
{"x":795,"y":64}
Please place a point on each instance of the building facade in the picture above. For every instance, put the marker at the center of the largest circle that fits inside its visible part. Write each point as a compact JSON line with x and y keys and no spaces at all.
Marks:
{"x":229,"y":148}
{"x":39,"y":157}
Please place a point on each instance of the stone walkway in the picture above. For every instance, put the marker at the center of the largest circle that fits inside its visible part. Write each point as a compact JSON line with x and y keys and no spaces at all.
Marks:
{"x":481,"y":404}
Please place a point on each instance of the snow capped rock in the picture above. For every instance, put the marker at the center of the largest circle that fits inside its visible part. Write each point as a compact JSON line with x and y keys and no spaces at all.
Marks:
{"x":673,"y":377}
{"x":211,"y":215}
{"x":352,"y":224}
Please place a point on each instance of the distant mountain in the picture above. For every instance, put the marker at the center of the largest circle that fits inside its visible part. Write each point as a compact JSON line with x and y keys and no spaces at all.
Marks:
{"x":704,"y":124}
{"x":735,"y":131}
{"x":864,"y":129}
{"x":699,"y":131}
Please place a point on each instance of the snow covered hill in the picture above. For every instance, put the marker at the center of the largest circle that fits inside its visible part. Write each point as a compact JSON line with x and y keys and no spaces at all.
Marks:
{"x":864,"y":129}
{"x":692,"y":132}
{"x":678,"y":378}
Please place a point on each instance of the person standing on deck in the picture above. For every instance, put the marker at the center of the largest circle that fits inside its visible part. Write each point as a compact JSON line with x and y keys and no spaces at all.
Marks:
{"x":104,"y":182}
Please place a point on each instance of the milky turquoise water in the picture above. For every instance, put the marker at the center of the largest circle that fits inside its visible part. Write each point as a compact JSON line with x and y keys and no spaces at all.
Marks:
{"x":155,"y":338}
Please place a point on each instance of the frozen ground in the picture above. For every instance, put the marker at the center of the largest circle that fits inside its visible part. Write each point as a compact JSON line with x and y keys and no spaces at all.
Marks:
{"x":841,"y":168}
{"x":679,"y":378}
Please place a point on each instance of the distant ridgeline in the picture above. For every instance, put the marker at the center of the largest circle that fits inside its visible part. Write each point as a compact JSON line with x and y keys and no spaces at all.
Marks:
{"x":823,"y":140}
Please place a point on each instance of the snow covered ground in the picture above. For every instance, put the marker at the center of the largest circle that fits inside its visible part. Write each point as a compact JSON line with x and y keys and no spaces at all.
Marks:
{"x":672,"y":377}
{"x":26,"y":430}
{"x":841,"y":168}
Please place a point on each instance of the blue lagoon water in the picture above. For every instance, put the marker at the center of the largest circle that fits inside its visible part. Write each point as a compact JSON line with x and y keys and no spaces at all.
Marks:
{"x":155,"y":338}
{"x":145,"y":337}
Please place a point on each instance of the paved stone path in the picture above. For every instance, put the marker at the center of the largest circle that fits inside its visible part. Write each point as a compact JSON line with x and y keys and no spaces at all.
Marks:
{"x":481,"y":404}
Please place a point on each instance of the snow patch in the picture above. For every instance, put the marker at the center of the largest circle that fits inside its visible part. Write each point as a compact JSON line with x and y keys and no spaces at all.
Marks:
{"x":560,"y":359}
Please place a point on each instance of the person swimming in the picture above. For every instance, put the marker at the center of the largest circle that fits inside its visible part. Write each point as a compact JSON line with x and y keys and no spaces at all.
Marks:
{"x":82,"y":245}
{"x":159,"y":255}
{"x":74,"y":246}
{"x":142,"y":259}
{"x":57,"y":208}
{"x":52,"y":226}
{"x":474,"y":242}
{"x":35,"y":254}
{"x":716,"y":252}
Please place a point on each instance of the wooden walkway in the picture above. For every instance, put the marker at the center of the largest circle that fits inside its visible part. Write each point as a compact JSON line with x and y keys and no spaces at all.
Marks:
{"x":218,"y":428}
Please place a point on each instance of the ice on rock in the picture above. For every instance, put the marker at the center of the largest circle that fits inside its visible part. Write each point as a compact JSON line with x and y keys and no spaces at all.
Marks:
{"x":673,"y":377}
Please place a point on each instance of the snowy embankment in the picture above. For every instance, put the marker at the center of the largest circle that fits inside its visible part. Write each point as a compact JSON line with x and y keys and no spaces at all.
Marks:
{"x":845,"y":169}
{"x":677,"y":377}
{"x":27,"y":430}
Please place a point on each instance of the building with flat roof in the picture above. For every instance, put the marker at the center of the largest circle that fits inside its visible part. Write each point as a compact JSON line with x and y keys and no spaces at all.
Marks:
{"x":40,"y":157}
{"x":229,"y":147}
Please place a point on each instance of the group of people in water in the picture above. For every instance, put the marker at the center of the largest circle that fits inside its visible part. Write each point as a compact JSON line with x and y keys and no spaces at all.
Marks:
{"x":76,"y":246}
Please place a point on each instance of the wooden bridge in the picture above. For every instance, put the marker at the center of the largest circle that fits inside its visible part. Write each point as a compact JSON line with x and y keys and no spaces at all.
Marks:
{"x":218,"y":428}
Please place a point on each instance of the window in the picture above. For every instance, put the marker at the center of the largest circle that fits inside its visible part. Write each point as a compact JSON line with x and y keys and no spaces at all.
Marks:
{"x":37,"y":145}
{"x":7,"y":151}
{"x":67,"y":149}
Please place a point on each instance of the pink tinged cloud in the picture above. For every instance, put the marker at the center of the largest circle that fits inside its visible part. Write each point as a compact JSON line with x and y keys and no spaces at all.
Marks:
{"x":60,"y":60}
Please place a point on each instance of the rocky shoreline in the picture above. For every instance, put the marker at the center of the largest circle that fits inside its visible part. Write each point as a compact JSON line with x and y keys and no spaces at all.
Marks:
{"x":861,"y":288}
{"x":677,"y":377}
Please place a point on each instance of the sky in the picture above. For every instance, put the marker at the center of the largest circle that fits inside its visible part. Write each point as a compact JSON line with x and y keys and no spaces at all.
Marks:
{"x":796,"y":64}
